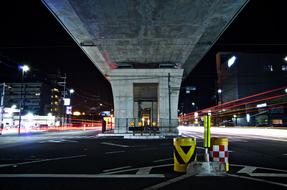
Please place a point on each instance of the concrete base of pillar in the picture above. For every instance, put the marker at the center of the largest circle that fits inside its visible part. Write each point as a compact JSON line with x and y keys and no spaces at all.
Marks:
{"x":135,"y":89}
{"x":206,"y":169}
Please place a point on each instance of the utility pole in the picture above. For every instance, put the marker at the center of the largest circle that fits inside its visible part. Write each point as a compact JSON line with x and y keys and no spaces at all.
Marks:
{"x":169,"y":102}
{"x":63,"y":84}
{"x":2,"y":107}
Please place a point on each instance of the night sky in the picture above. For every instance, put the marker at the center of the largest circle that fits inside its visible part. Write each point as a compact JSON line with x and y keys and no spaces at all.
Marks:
{"x":30,"y":34}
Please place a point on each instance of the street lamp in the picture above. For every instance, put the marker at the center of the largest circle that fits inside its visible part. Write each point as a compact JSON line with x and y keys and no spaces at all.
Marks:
{"x":71,"y":91}
{"x":24,"y":69}
{"x":2,"y":106}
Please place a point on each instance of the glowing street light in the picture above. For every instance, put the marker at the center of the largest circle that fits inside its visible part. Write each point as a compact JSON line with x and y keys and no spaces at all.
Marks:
{"x":71,"y":91}
{"x":231,"y":61}
{"x":24,"y":69}
{"x":285,"y":58}
{"x":219,"y":91}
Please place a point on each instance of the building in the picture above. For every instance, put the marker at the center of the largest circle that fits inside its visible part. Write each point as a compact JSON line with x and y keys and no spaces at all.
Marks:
{"x":242,"y":75}
{"x":55,"y":106}
{"x":35,"y":96}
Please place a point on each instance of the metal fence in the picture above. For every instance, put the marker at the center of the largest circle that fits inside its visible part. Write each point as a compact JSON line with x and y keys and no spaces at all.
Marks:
{"x":163,"y":126}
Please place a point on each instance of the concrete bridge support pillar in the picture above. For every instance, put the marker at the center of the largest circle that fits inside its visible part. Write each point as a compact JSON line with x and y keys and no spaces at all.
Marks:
{"x":131,"y":102}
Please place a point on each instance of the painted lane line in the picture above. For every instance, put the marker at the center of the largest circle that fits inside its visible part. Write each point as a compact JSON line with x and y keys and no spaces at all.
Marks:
{"x":80,"y":176}
{"x":247,"y":170}
{"x":144,"y":171}
{"x":259,"y":180}
{"x":162,"y":160}
{"x":112,"y":144}
{"x":250,"y":169}
{"x":133,"y":169}
{"x":115,"y":152}
{"x":38,"y":161}
{"x":114,"y":169}
{"x":267,"y":175}
{"x":272,"y":169}
{"x":168,"y":182}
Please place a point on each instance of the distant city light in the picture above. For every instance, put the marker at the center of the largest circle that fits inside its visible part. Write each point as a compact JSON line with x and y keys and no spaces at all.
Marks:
{"x":261,"y":105}
{"x":234,"y":116}
{"x":14,"y":106}
{"x":231,"y":61}
{"x":248,"y":117}
{"x":49,"y":114}
{"x":72,"y":91}
{"x":76,"y":113}
{"x":219,"y":91}
{"x":193,"y":103}
{"x":195,"y":114}
{"x":24,"y":68}
{"x":29,"y":116}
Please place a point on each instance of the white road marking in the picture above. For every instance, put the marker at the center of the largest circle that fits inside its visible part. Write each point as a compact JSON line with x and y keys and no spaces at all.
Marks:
{"x":260,"y":180}
{"x":133,"y":169}
{"x":168,"y":182}
{"x":247,"y":170}
{"x":144,"y":171}
{"x":250,"y":169}
{"x":57,"y":141}
{"x":267,"y":175}
{"x":115,"y":152}
{"x":272,"y":169}
{"x":162,"y":160}
{"x":80,"y":176}
{"x":114,"y":169}
{"x":38,"y":161}
{"x":112,"y":144}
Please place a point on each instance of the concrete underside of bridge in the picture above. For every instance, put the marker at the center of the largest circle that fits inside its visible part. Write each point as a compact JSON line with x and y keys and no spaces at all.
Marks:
{"x":136,"y":44}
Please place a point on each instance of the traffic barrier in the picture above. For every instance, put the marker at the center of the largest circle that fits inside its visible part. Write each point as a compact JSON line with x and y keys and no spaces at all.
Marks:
{"x":184,"y":151}
{"x":218,"y":151}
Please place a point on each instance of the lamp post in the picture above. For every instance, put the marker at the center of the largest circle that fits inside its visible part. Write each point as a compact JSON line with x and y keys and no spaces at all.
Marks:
{"x":69,"y":115}
{"x":219,"y":101}
{"x":24,"y":69}
{"x":2,"y":107}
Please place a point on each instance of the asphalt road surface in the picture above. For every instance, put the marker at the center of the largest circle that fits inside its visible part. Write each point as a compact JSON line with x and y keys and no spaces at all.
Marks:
{"x":82,"y":160}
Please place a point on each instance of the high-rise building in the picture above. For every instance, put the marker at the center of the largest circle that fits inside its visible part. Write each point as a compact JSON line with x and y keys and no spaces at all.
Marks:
{"x":244,"y":74}
{"x":35,"y":96}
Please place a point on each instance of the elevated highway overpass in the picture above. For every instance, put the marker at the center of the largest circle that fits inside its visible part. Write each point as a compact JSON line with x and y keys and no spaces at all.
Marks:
{"x":145,"y":48}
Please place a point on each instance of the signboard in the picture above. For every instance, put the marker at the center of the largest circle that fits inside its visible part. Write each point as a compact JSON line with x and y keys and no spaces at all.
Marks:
{"x":67,"y":101}
{"x":105,"y":114}
{"x":69,"y":110}
{"x":189,"y":88}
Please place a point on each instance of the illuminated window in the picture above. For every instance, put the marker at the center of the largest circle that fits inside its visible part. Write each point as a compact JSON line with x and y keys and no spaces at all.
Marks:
{"x":284,"y":68}
{"x":270,"y":68}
